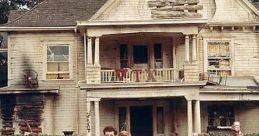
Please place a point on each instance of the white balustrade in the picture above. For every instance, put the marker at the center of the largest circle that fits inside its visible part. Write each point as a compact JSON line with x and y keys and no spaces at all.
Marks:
{"x":134,"y":75}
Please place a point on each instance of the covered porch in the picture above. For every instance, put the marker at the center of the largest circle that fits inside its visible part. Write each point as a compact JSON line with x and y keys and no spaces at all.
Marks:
{"x":173,"y":110}
{"x":130,"y":53}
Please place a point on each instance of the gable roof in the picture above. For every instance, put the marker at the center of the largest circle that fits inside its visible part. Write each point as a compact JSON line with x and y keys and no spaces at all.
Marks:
{"x":57,"y":13}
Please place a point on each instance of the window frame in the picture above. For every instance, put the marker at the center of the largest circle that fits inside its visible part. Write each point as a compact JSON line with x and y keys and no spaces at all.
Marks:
{"x":218,"y":110}
{"x":231,"y":51}
{"x":5,"y":50}
{"x":45,"y":64}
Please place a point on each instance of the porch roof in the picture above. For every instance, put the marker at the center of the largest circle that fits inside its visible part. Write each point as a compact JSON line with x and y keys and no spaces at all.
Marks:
{"x":84,"y":86}
{"x":17,"y":89}
{"x":142,"y":22}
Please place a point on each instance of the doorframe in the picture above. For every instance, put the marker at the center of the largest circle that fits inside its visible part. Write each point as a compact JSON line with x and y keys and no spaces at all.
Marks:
{"x":154,"y":104}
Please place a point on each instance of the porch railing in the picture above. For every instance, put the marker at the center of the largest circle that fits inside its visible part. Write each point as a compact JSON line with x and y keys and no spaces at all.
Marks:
{"x":134,"y":75}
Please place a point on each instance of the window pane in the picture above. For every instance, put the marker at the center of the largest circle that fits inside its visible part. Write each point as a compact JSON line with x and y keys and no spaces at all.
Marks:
{"x":158,"y":51}
{"x":160,"y":120}
{"x":58,"y":76}
{"x":123,"y":51}
{"x":122,"y":118}
{"x":3,"y":40}
{"x":57,"y":66}
{"x":58,"y":53}
{"x":220,"y":115}
{"x":140,"y":54}
{"x":3,"y":69}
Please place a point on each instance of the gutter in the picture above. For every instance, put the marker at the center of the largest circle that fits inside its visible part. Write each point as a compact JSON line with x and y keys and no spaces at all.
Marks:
{"x":20,"y":29}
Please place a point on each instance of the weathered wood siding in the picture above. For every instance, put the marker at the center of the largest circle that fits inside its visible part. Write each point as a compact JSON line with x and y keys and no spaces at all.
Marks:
{"x":232,"y":11}
{"x":26,"y":52}
{"x":245,"y":51}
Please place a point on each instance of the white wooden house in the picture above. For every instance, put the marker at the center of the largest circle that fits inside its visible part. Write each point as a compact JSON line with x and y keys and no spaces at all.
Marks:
{"x":152,"y":67}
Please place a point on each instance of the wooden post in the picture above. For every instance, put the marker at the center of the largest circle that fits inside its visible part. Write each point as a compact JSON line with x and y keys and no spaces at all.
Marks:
{"x":197,"y":116}
{"x":194,"y":48}
{"x":88,"y":118}
{"x":97,"y":117}
{"x":89,"y":51}
{"x":187,"y":48}
{"x":189,"y":116}
{"x":97,"y":52}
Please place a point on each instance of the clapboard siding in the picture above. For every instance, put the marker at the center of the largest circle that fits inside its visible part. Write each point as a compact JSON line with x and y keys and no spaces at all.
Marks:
{"x":26,"y":52}
{"x":245,"y":53}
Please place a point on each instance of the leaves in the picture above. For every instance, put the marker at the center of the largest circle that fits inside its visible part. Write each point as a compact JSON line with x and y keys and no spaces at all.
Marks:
{"x":7,"y":5}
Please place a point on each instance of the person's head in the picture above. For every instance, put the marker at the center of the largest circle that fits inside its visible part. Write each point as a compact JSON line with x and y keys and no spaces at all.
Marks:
{"x":109,"y":131}
{"x":124,"y":133}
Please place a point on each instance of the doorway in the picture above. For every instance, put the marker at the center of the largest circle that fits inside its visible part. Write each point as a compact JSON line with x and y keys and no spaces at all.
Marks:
{"x":141,"y":120}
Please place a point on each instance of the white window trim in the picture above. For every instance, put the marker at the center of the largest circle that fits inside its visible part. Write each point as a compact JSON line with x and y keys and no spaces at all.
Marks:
{"x":45,"y":45}
{"x":231,"y":47}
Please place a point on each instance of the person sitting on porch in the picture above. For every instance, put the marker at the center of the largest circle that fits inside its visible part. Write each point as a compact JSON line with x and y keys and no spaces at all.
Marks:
{"x":109,"y":131}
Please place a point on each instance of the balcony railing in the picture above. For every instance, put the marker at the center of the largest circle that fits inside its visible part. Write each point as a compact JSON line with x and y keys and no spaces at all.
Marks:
{"x":127,"y":75}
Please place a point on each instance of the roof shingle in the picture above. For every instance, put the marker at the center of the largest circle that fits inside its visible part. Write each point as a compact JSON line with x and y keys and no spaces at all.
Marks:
{"x":57,"y":13}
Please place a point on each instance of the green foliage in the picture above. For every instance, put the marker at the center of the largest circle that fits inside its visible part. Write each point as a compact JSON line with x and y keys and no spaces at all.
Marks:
{"x":218,"y":134}
{"x":254,"y":134}
{"x":7,"y":5}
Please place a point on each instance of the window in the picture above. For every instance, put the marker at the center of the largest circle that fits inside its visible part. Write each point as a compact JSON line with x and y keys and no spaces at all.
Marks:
{"x":218,"y":57}
{"x":58,"y":62}
{"x":124,"y":55}
{"x":220,"y":116}
{"x":160,"y":120}
{"x":3,"y":62}
{"x":158,"y":56}
{"x":123,"y":118}
{"x":140,"y":53}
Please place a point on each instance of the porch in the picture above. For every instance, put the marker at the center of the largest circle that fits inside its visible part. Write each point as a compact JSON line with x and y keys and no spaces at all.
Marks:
{"x":141,"y":57}
{"x":151,"y":98}
{"x":145,"y":117}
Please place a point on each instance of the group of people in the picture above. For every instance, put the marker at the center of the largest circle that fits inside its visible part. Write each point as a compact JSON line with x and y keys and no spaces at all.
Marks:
{"x":111,"y":131}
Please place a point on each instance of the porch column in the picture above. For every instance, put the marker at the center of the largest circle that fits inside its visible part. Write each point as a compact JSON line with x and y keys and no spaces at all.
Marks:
{"x":88,"y":118}
{"x":97,"y":117}
{"x":89,"y":51}
{"x":85,"y":47}
{"x":194,"y":47}
{"x":97,"y":52}
{"x":197,"y":116}
{"x":187,"y":48}
{"x":189,"y":116}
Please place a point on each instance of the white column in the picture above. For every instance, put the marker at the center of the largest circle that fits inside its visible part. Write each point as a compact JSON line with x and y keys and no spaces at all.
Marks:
{"x":97,"y":117}
{"x":89,"y":51}
{"x":194,"y":48}
{"x":189,"y":116}
{"x":85,"y":47}
{"x":187,"y":48}
{"x":97,"y":52}
{"x":197,"y":116}
{"x":88,"y":118}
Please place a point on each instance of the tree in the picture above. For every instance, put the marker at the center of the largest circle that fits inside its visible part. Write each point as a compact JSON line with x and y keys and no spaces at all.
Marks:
{"x":7,"y":5}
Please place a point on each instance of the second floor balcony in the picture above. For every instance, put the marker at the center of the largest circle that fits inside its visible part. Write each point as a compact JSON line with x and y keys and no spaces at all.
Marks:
{"x":140,"y":58}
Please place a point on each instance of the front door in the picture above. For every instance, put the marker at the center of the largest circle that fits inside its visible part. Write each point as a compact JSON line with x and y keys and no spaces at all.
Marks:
{"x":141,"y":121}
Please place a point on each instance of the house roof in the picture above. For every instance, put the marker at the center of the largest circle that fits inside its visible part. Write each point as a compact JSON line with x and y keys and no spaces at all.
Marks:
{"x":65,"y":13}
{"x":53,"y":13}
